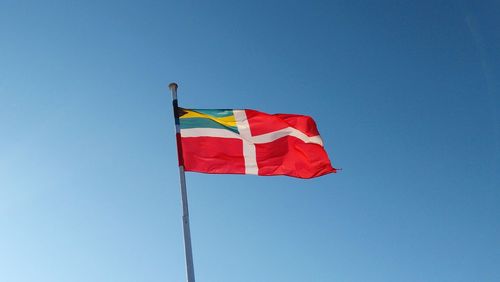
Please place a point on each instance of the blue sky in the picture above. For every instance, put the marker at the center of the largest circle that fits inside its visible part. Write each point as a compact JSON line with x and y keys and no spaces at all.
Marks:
{"x":405,"y":94}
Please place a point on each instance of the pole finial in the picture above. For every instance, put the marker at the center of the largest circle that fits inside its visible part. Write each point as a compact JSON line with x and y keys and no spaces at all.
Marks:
{"x":173,"y":86}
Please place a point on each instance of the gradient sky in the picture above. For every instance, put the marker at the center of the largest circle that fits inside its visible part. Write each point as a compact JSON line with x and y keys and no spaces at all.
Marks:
{"x":406,"y":95}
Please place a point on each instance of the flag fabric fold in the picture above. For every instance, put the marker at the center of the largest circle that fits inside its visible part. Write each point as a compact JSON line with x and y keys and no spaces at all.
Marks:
{"x":246,"y":141}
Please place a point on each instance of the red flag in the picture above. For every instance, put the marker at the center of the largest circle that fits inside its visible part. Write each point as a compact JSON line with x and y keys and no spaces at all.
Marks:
{"x":252,"y":142}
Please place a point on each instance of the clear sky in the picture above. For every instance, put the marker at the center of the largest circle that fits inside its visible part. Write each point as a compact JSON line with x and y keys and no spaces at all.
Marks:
{"x":406,"y":95}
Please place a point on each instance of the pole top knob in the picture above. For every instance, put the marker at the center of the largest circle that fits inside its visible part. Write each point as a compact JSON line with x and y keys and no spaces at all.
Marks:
{"x":173,"y":86}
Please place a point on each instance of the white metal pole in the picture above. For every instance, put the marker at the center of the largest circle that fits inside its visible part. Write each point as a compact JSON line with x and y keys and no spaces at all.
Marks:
{"x":185,"y":212}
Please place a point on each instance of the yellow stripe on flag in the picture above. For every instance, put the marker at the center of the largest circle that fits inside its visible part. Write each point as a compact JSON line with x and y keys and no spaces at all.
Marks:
{"x":226,"y":121}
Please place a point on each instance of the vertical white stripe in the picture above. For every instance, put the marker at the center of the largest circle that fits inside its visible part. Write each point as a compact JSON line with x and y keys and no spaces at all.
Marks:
{"x":248,"y":146}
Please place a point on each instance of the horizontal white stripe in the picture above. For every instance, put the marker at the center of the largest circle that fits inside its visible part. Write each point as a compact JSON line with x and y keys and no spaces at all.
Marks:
{"x":289,"y":131}
{"x":209,"y":132}
{"x":259,"y":139}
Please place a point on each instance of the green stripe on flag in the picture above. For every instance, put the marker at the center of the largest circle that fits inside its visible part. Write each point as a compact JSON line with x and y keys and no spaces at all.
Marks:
{"x":215,"y":113}
{"x":187,"y":123}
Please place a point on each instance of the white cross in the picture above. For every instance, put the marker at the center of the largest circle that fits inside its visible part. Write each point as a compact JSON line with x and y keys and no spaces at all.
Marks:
{"x":249,"y":141}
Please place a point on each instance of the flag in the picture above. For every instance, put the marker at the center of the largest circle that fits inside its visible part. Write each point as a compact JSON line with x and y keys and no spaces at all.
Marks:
{"x":251,"y":142}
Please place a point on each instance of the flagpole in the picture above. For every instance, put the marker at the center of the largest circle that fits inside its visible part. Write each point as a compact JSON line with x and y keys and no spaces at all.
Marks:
{"x":185,"y":212}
